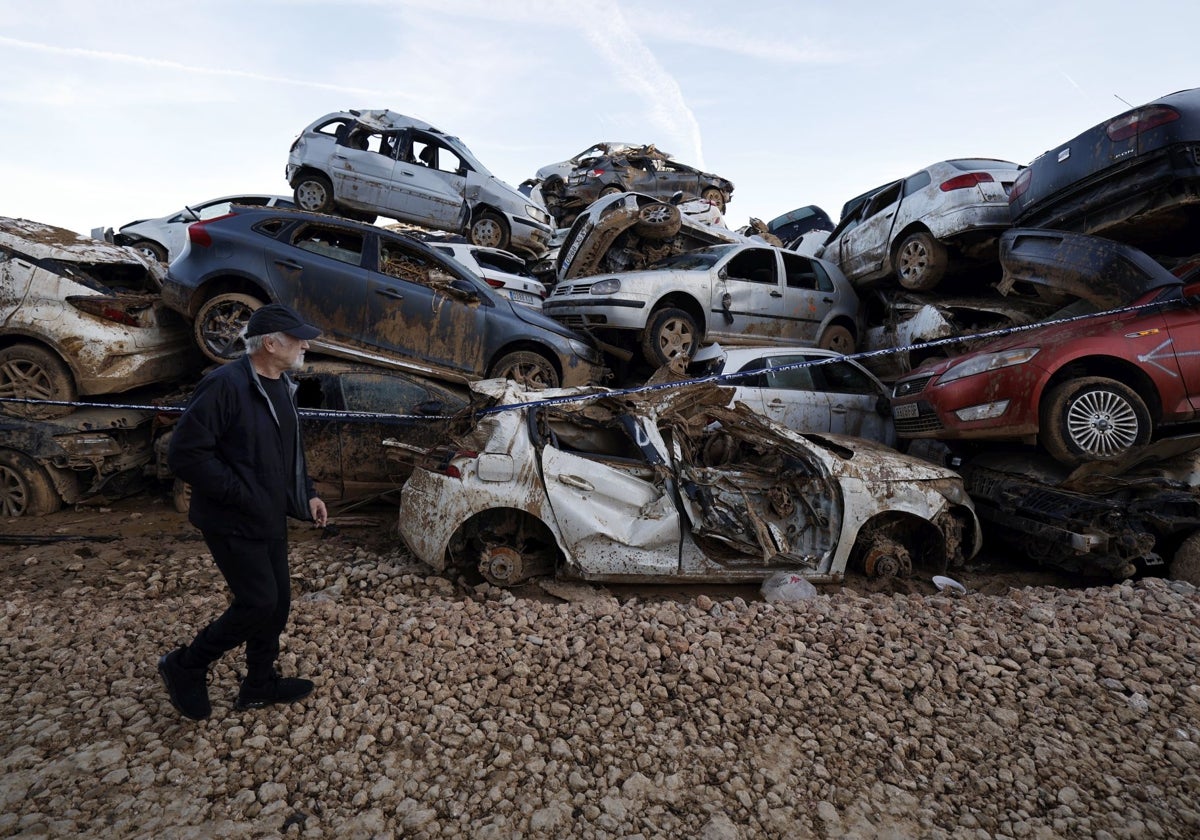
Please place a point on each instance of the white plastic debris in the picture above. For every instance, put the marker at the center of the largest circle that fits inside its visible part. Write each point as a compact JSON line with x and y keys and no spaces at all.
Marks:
{"x":784,"y":587}
{"x":943,"y":583}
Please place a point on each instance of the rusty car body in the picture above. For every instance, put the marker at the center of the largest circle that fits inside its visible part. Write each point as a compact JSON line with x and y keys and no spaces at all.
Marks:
{"x":81,"y":317}
{"x":1136,"y":514}
{"x":92,"y":454}
{"x":377,"y":296}
{"x":735,"y":293}
{"x":1091,"y":383}
{"x":368,"y":163}
{"x":672,"y":485}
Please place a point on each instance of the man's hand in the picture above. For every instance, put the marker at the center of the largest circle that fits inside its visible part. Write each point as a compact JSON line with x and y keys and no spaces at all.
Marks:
{"x":317,"y":508}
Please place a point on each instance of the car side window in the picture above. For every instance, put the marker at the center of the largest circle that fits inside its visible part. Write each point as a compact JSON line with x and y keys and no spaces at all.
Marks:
{"x":824,"y":281}
{"x":754,"y":264}
{"x":915,"y":183}
{"x":757,"y":381}
{"x":794,"y":379}
{"x":379,"y":392}
{"x":338,"y":244}
{"x":427,"y":151}
{"x":214,"y":210}
{"x":801,"y":272}
{"x":884,"y":198}
{"x":842,"y":378}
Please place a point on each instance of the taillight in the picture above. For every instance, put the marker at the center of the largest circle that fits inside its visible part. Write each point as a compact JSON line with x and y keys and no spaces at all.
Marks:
{"x":197,"y":234}
{"x":107,"y":309}
{"x":1143,"y":119}
{"x":495,"y":284}
{"x":596,"y":173}
{"x":1020,"y":185}
{"x":962,"y":182}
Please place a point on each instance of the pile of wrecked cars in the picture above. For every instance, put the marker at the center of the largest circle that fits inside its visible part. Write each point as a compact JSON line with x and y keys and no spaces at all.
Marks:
{"x":554,"y":400}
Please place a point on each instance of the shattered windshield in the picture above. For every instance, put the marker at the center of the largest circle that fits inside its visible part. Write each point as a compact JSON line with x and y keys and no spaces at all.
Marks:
{"x":702,"y":258}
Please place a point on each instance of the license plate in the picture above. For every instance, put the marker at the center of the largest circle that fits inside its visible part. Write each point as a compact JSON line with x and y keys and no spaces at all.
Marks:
{"x":526,"y":297}
{"x":905,"y":412}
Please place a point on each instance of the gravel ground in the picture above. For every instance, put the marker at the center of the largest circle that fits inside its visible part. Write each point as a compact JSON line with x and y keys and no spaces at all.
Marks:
{"x":445,"y":710}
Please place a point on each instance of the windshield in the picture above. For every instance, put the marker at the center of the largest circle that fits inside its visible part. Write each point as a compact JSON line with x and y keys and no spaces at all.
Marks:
{"x":701,"y":258}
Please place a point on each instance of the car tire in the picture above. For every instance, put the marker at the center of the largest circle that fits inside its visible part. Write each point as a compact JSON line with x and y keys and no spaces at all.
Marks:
{"x":838,"y":339}
{"x":25,"y":489}
{"x":920,"y":262}
{"x":671,"y":332}
{"x":181,"y":495}
{"x":658,"y":221}
{"x":489,"y":230}
{"x":532,"y":370}
{"x":31,"y":372}
{"x":220,"y":324}
{"x":715,"y":196}
{"x":150,"y":249}
{"x":1185,"y":565}
{"x":314,"y":192}
{"x":611,"y":189}
{"x":1091,"y":419}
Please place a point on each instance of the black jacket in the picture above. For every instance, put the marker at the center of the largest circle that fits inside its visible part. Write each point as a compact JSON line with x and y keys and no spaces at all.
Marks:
{"x":227,"y":447}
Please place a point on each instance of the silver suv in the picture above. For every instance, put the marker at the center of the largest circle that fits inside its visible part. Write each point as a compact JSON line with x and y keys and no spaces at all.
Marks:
{"x":364,"y":164}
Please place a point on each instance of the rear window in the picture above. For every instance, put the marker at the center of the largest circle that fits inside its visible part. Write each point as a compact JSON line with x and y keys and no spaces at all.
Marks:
{"x":971,"y":164}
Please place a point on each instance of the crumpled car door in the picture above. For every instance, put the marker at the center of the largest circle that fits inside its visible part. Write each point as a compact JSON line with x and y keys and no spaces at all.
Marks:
{"x":613,"y":519}
{"x":426,"y":186}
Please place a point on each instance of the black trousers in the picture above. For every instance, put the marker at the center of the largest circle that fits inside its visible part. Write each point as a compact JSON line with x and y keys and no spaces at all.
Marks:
{"x":259,"y":579}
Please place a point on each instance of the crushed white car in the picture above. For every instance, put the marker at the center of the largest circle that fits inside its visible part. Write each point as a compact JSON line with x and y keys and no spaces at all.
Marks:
{"x":672,"y":485}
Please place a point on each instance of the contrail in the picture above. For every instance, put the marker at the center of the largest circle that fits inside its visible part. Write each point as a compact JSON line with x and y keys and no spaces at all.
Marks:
{"x":124,"y":58}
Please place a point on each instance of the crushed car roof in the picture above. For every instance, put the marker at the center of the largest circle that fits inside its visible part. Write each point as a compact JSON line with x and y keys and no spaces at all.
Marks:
{"x":42,"y":241}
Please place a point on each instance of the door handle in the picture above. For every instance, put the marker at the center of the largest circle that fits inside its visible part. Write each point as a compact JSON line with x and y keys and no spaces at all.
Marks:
{"x":776,"y":293}
{"x":292,"y":264}
{"x":390,"y":293}
{"x":576,"y":481}
{"x":827,"y":299}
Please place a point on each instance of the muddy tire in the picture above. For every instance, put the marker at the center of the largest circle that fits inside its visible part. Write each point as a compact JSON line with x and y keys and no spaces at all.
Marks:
{"x":526,"y":368}
{"x":838,"y":339}
{"x":670,"y":333}
{"x":611,"y":189}
{"x":489,"y":230}
{"x":714,"y":195}
{"x":34,"y":373}
{"x":658,"y":221}
{"x":25,"y":489}
{"x":221,"y":323}
{"x":920,"y":262}
{"x":150,"y":249}
{"x":1185,"y":565}
{"x":181,"y":495}
{"x":314,"y":193}
{"x":1092,"y":419}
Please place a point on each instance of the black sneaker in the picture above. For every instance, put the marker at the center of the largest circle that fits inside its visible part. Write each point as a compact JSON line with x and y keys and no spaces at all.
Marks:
{"x":187,"y":687}
{"x":275,"y":690}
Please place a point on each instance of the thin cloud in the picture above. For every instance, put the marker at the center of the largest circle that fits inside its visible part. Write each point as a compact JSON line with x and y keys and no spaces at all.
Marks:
{"x":142,"y":61}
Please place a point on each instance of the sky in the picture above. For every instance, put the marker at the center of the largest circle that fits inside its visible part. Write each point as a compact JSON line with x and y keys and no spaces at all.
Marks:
{"x":115,"y":112}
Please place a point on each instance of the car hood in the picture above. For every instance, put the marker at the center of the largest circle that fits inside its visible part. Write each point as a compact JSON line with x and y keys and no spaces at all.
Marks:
{"x":41,"y":241}
{"x":1101,"y":271}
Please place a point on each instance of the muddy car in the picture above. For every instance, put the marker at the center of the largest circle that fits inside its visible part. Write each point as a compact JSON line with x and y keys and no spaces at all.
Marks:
{"x":744,"y":293}
{"x":675,"y":486}
{"x":81,"y":317}
{"x":918,"y":229}
{"x":1138,"y":514}
{"x":1091,"y":383}
{"x":363,"y":426}
{"x":377,"y":296}
{"x":93,"y":454}
{"x":504,"y":272}
{"x":644,"y":170}
{"x":365,"y":164}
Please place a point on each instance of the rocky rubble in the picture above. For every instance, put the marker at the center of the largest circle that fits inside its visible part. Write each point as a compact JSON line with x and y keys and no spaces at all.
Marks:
{"x":451,"y":711}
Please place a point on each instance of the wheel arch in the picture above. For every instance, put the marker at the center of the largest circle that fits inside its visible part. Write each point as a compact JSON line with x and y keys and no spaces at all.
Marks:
{"x":1109,"y":367}
{"x":679,"y":300}
{"x":925,"y":541}
{"x":529,"y":346}
{"x":909,"y":229}
{"x":19,"y":336}
{"x":307,"y":169}
{"x":224,"y":284}
{"x":504,"y":522}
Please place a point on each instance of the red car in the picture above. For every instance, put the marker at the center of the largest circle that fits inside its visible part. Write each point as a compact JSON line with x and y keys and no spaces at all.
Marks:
{"x":1087,"y":388}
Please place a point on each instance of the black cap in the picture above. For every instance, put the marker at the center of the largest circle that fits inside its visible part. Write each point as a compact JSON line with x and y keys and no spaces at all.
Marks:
{"x":275,"y":317}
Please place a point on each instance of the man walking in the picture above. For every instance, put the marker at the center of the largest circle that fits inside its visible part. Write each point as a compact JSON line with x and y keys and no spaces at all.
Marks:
{"x":238,"y":445}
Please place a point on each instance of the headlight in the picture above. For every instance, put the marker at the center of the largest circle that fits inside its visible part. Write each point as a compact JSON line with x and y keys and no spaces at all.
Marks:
{"x":606,"y":287}
{"x":537,"y":214}
{"x":988,"y":362}
{"x":585,"y":351}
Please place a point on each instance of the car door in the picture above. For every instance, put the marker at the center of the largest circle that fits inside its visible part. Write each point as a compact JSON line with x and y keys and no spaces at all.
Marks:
{"x":765,"y":302}
{"x":864,"y":247}
{"x":416,"y":310}
{"x":362,"y":168}
{"x":857,"y":401}
{"x":673,"y":178}
{"x":429,"y":182}
{"x":1183,"y":326}
{"x":787,"y":397}
{"x":317,"y":269}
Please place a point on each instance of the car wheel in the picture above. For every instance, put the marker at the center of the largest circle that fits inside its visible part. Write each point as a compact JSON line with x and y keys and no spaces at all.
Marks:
{"x":25,"y":489}
{"x":151,"y":249}
{"x":658,"y":221}
{"x":671,"y":332}
{"x":489,"y":230}
{"x":532,"y":370}
{"x":714,"y":195}
{"x":314,"y":193}
{"x":1185,"y":565}
{"x":1092,"y":419}
{"x":611,"y":189}
{"x":838,"y":339}
{"x":920,"y":262}
{"x":32,"y":373}
{"x":220,"y":325}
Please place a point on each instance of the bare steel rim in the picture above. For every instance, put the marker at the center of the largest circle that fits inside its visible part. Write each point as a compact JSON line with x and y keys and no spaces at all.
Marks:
{"x":676,"y":336}
{"x":1102,"y":423}
{"x":658,"y":214}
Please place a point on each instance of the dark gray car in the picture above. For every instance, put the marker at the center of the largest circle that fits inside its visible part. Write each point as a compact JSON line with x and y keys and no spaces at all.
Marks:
{"x":377,"y":296}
